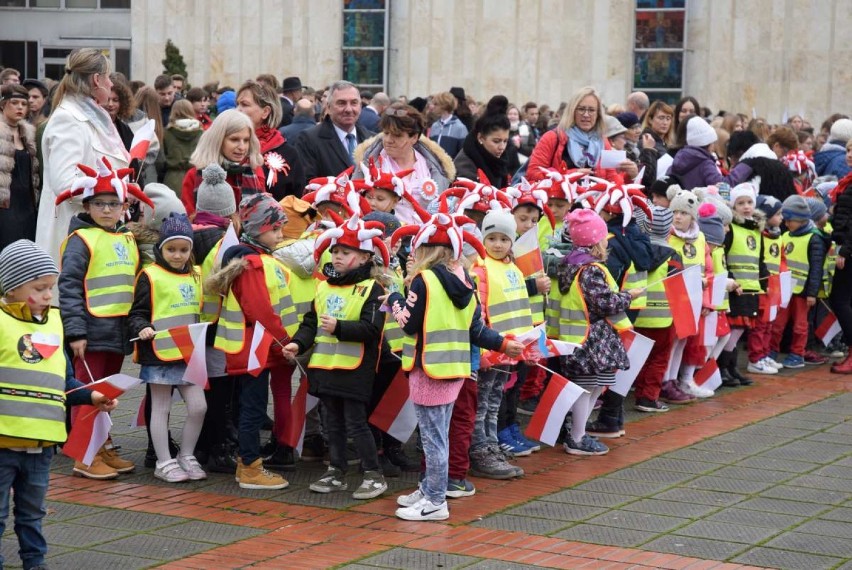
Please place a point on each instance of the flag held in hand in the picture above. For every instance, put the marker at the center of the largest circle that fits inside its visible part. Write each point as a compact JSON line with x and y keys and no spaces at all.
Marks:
{"x":528,"y":253}
{"x":88,"y":434}
{"x":684,"y":293}
{"x":395,"y":414}
{"x":638,"y":348}
{"x":553,"y":406}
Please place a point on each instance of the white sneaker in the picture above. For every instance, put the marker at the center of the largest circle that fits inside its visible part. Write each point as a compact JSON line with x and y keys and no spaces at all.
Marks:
{"x":192,"y":467}
{"x":410,"y":500}
{"x":693,"y":389}
{"x":424,"y":510}
{"x":171,"y":472}
{"x":773,"y":363}
{"x":761,"y":367}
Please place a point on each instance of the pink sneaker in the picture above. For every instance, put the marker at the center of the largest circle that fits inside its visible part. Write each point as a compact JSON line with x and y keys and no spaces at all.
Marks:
{"x":672,"y":394}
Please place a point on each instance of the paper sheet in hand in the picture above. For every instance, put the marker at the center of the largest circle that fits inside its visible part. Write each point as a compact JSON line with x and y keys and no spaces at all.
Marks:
{"x":612,"y":158}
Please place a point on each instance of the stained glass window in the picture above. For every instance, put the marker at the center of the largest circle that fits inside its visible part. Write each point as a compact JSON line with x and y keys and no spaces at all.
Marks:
{"x":659,"y":47}
{"x":365,"y":43}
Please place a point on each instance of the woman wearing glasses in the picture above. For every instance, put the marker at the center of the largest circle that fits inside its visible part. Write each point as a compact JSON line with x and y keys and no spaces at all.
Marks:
{"x":658,"y":124}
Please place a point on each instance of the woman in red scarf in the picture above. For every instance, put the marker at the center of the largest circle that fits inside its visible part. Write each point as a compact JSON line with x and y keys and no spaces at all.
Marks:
{"x":282,"y":170}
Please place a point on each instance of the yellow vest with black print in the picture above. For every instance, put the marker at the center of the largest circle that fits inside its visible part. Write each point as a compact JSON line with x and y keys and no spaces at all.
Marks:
{"x":303,"y":290}
{"x":231,"y":329}
{"x":830,"y":263}
{"x":720,"y":271}
{"x":574,"y":322}
{"x":111,"y":274}
{"x":175,"y":301}
{"x":211,"y":302}
{"x":503,"y":296}
{"x":32,"y":379}
{"x":744,"y":257}
{"x":633,"y":279}
{"x":796,"y":253}
{"x":772,"y":254}
{"x":657,"y":314}
{"x":692,"y":253}
{"x":445,"y":335}
{"x":344,"y":303}
{"x":393,"y":332}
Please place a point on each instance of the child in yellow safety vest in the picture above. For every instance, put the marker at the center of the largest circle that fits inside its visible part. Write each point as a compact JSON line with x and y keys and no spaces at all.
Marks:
{"x":344,"y":327}
{"x":168,"y":295}
{"x":98,"y":268}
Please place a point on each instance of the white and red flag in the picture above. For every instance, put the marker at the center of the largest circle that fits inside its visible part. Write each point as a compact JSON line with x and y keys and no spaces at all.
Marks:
{"x":528,"y":253}
{"x":139,"y":419}
{"x":555,"y":402}
{"x":190,"y":341}
{"x":708,"y":376}
{"x":684,"y":293}
{"x":142,"y":140}
{"x":46,"y":344}
{"x":294,"y":432}
{"x":261,"y":341}
{"x":786,"y":282}
{"x":828,"y":329}
{"x":112,"y":386}
{"x":230,"y":239}
{"x":395,"y":414}
{"x":638,"y":349}
{"x":88,"y":434}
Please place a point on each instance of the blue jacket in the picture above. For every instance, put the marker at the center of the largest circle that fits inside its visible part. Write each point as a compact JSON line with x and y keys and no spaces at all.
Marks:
{"x":831,"y":159}
{"x":627,"y":245}
{"x":450,"y":135}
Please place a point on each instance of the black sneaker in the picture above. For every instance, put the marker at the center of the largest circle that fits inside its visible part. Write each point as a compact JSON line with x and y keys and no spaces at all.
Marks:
{"x":648,"y":405}
{"x":313,"y":449}
{"x":527,"y":407}
{"x":267,"y":424}
{"x":222,"y":460}
{"x":398,"y":457}
{"x":598,"y":428}
{"x":387,"y":467}
{"x":282,"y":459}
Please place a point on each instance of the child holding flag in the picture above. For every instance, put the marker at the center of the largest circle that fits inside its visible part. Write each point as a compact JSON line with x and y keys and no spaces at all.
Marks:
{"x":168,"y":294}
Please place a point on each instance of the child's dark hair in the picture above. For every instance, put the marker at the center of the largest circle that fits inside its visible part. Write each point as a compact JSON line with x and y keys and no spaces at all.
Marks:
{"x":494,"y":118}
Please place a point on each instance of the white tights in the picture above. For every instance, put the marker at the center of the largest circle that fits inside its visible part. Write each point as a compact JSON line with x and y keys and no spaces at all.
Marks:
{"x":161,"y":403}
{"x":581,"y":411}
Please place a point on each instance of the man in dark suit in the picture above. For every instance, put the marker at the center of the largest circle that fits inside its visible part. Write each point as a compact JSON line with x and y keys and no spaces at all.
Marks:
{"x":326,"y":149}
{"x":372,"y":113}
{"x":303,"y":119}
{"x":291,"y":91}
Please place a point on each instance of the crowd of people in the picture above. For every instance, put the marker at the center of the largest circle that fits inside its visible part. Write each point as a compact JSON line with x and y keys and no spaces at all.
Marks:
{"x":376,"y":235}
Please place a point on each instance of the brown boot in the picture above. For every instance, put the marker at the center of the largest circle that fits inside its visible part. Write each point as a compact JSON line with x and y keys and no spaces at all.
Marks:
{"x":97,"y":470}
{"x":110,"y":457}
{"x":844,"y":367}
{"x":254,"y":476}
{"x":239,"y":470}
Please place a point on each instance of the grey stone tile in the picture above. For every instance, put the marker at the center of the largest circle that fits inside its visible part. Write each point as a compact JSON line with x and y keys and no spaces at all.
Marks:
{"x":756,"y":518}
{"x":839,"y":514}
{"x":681,"y":465}
{"x":529,"y":525}
{"x":785,"y":560}
{"x":827,"y":528}
{"x":816,"y":416}
{"x":727,"y":531}
{"x":94,"y":559}
{"x":558,"y":511}
{"x":697,"y":547}
{"x":638,"y":521}
{"x":417,"y":559}
{"x":844,"y":428}
{"x":338,"y":500}
{"x":827,"y":483}
{"x":812,"y":543}
{"x":777,"y":464}
{"x":750,"y":474}
{"x":783,"y":506}
{"x":128,"y":520}
{"x":210,"y":532}
{"x":767,"y":430}
{"x":826,"y":437}
{"x":821,"y":496}
{"x":701,"y":497}
{"x":359,"y":567}
{"x":805,"y":425}
{"x":590,"y":498}
{"x":651,"y":475}
{"x":499,"y":565}
{"x":670,"y":508}
{"x":608,"y":535}
{"x":736,"y":449}
{"x":691,"y":454}
{"x":836,"y":470}
{"x":57,"y":511}
{"x":78,"y":536}
{"x":812,"y":451}
{"x":726,"y":485}
{"x":9,"y":549}
{"x":155,"y":546}
{"x":618,"y":486}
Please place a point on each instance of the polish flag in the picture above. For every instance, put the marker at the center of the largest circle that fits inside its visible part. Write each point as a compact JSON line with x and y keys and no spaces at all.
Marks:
{"x":46,"y":344}
{"x":718,"y":284}
{"x":191,"y":341}
{"x":261,"y":341}
{"x":88,"y":434}
{"x":638,"y":349}
{"x":112,"y":386}
{"x":395,"y":414}
{"x":555,"y":402}
{"x":528,"y":253}
{"x":139,"y":419}
{"x":772,"y":302}
{"x":786,"y":280}
{"x":228,"y":240}
{"x":142,"y":140}
{"x":828,"y":329}
{"x":708,"y":376}
{"x":684,"y":293}
{"x":294,"y":431}
{"x":709,"y":329}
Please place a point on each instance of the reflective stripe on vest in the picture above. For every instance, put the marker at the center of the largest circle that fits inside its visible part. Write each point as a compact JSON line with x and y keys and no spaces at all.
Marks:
{"x":828,"y":268}
{"x":552,"y":310}
{"x":772,"y":249}
{"x":744,"y":257}
{"x":32,"y":387}
{"x":445,"y":335}
{"x":344,"y":303}
{"x":574,"y":318}
{"x":302,"y":292}
{"x":796,"y":252}
{"x":111,"y":273}
{"x":720,"y":271}
{"x":211,"y":302}
{"x":393,"y":332}
{"x":657,"y":314}
{"x":691,"y":253}
{"x":634,"y":279}
{"x":175,"y":301}
{"x":505,"y":301}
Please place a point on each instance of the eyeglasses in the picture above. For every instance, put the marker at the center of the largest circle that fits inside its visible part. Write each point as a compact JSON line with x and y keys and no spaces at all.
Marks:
{"x":396,"y":113}
{"x":101,"y":205}
{"x":587,"y":111}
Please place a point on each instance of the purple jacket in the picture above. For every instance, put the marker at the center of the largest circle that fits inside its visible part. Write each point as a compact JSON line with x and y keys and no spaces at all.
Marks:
{"x":695,"y":167}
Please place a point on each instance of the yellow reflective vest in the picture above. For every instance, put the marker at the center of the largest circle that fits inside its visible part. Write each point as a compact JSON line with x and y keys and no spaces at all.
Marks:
{"x":445,"y":337}
{"x":175,"y":301}
{"x":503,"y":294}
{"x":574,"y":320}
{"x":720,"y":271}
{"x":211,"y":302}
{"x":796,"y":253}
{"x":344,"y":303}
{"x":773,"y":251}
{"x":692,"y":253}
{"x":743,"y":257}
{"x":830,"y":263}
{"x":632,"y":279}
{"x":111,"y":274}
{"x":657,"y":313}
{"x":32,"y":383}
{"x":393,"y":332}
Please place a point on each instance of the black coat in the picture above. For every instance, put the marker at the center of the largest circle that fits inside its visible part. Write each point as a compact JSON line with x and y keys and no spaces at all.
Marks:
{"x":286,"y":112}
{"x":321,"y":151}
{"x":291,"y":184}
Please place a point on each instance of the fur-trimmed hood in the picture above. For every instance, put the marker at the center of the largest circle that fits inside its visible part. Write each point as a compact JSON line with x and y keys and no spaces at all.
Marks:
{"x":758,"y":220}
{"x":146,"y":240}
{"x":441,"y":166}
{"x":222,"y":277}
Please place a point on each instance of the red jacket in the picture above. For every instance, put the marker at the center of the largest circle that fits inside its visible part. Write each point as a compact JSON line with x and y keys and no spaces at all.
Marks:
{"x":549,"y":151}
{"x":239,"y":183}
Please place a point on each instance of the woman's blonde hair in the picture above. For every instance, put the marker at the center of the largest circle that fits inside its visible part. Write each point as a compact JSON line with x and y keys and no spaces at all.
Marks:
{"x":82,"y":64}
{"x":182,"y":109}
{"x":209,"y":149}
{"x":655,"y":109}
{"x":567,"y":120}
{"x":445,"y":101}
{"x":149,"y":103}
{"x":428,"y":256}
{"x":264,"y":97}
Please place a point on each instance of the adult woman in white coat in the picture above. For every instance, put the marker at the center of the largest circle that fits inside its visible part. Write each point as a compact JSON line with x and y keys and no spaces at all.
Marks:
{"x":79,"y":131}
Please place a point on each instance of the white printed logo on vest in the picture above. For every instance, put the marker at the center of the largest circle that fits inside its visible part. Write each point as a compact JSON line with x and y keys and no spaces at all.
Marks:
{"x":334,"y":305}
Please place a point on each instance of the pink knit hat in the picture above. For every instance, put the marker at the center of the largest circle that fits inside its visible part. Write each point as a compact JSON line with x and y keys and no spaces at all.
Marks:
{"x":586,"y":228}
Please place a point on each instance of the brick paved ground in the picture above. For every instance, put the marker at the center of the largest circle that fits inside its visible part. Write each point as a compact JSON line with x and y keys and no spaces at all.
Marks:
{"x":756,"y":477}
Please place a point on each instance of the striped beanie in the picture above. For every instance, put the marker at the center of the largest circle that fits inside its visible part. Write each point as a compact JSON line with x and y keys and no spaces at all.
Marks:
{"x":23,"y":261}
{"x":660,"y":225}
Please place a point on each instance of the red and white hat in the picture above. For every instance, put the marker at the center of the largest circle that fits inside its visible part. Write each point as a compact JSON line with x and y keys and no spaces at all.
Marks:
{"x":375,"y":179}
{"x":800,"y":162}
{"x":475,"y":196}
{"x":561,"y":184}
{"x":354,"y":233}
{"x":615,"y":198}
{"x":525,"y":195}
{"x":335,"y":189}
{"x":104,"y":180}
{"x":441,"y":229}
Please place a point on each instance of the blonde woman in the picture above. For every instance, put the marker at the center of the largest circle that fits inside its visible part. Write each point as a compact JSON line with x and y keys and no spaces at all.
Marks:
{"x":79,"y":131}
{"x":658,"y":123}
{"x":231,"y":143}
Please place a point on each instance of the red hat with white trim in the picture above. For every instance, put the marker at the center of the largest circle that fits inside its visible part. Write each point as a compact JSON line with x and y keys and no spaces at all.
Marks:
{"x":101,"y":181}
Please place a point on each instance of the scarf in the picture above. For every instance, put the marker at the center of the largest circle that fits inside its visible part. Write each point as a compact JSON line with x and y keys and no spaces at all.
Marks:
{"x":247,"y":239}
{"x":495,"y":168}
{"x":104,"y":127}
{"x":208,"y":219}
{"x":242,"y":179}
{"x":690,"y":234}
{"x":584,"y":148}
{"x":772,"y":232}
{"x":269,"y":138}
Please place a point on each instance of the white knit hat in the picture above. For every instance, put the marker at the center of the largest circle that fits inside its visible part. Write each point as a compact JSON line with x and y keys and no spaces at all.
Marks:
{"x":841,"y":130}
{"x":699,"y":133}
{"x":499,"y":222}
{"x":746,"y":189}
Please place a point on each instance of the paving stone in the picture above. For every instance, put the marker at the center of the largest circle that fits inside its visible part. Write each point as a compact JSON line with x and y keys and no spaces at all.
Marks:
{"x":670,"y":508}
{"x":210,"y":532}
{"x":558,"y":511}
{"x":750,"y":474}
{"x":128,"y":520}
{"x":756,"y":518}
{"x":155,"y":546}
{"x":701,"y":497}
{"x":812,"y":543}
{"x":809,"y":451}
{"x":826,"y":437}
{"x":359,"y":567}
{"x":783,"y":506}
{"x":636,"y":488}
{"x":817,"y":416}
{"x":93,"y":559}
{"x":844,"y":428}
{"x":784,"y":559}
{"x":737,"y":449}
{"x":607,"y":535}
{"x":817,"y":482}
{"x":827,"y":528}
{"x":227,"y":486}
{"x":777,"y":464}
{"x":499,"y":565}
{"x":763,"y":429}
{"x":697,"y":547}
{"x":839,"y":514}
{"x":9,"y":549}
{"x":726,"y":485}
{"x":338,"y":500}
{"x":727,"y":531}
{"x":638,"y":521}
{"x":651,"y":475}
{"x":681,"y":465}
{"x":589,"y":498}
{"x":67,"y":534}
{"x":531,"y":525}
{"x":836,"y":470}
{"x":706,"y":456}
{"x":57,"y":511}
{"x":417,"y":559}
{"x":821,"y":496}
{"x":805,"y":425}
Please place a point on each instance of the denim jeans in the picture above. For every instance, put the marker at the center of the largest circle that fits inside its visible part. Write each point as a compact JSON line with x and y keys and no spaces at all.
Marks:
{"x":489,"y":394}
{"x":28,"y":475}
{"x":254,"y":397}
{"x":434,"y":424}
{"x":344,"y":416}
